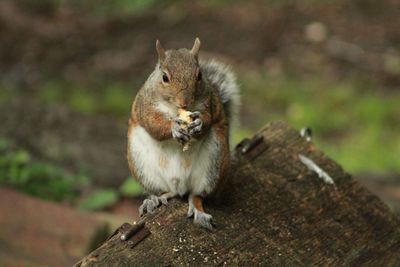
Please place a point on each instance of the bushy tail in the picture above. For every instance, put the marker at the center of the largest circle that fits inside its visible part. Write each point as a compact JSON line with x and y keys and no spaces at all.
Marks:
{"x":222,"y":77}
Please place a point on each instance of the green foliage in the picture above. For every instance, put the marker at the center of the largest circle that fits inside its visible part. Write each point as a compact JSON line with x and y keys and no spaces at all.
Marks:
{"x":131,"y":188}
{"x":6,"y":93}
{"x":357,"y":125}
{"x":17,"y":169}
{"x":104,"y":198}
{"x":99,"y":199}
{"x":113,"y":99}
{"x":51,"y":92}
{"x":47,"y":181}
{"x":370,"y":149}
{"x":117,"y":99}
{"x":83,"y":101}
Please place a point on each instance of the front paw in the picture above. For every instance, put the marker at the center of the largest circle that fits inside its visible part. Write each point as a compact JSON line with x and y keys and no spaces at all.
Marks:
{"x":195,"y":127}
{"x":179,"y":133}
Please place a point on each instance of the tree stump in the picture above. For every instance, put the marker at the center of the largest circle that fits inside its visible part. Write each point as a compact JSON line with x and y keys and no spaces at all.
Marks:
{"x":273,"y":211}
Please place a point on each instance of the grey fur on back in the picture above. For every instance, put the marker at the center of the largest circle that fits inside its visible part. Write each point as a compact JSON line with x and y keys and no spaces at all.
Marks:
{"x":222,"y":77}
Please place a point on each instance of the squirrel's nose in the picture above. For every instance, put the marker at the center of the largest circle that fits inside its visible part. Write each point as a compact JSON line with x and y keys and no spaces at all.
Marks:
{"x":183,"y":106}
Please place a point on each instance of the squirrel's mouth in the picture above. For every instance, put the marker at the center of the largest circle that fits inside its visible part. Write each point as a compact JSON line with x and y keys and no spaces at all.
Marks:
{"x":177,"y":102}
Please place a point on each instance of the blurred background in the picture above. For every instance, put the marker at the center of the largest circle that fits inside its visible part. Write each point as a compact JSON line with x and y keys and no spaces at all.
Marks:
{"x":70,"y":70}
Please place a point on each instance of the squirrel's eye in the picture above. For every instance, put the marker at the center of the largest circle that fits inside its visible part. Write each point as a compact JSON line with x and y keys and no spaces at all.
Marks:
{"x":165,"y":78}
{"x":199,"y":76}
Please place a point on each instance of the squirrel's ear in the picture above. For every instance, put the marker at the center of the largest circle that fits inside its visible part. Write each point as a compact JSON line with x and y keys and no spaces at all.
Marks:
{"x":196,"y":47}
{"x":160,"y":51}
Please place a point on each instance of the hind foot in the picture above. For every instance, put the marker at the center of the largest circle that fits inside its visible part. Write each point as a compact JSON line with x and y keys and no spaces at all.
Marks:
{"x":200,"y":217}
{"x":203,"y":219}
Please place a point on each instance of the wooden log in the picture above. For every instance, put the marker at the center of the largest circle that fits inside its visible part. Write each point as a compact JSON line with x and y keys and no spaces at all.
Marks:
{"x":273,"y":212}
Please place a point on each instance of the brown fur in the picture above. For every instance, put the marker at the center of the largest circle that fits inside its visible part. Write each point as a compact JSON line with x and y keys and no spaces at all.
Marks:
{"x":150,"y":118}
{"x":184,"y":90}
{"x":145,"y":114}
{"x":182,"y":70}
{"x":198,"y":203}
{"x":221,"y":129}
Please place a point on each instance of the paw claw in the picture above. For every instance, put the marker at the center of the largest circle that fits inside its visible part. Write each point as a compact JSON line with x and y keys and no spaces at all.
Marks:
{"x":196,"y":130}
{"x":150,"y":204}
{"x":164,"y":200}
{"x":155,"y":200}
{"x":190,"y":212}
{"x":195,"y":123}
{"x":178,"y":133}
{"x":203,"y":219}
{"x":194,"y":115}
{"x":179,"y":121}
{"x":195,"y":127}
{"x":141,"y":210}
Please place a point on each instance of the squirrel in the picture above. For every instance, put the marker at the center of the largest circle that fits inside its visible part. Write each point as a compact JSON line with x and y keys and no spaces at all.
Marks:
{"x":207,"y":91}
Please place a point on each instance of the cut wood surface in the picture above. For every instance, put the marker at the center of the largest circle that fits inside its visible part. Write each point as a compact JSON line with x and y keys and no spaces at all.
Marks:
{"x":273,"y":212}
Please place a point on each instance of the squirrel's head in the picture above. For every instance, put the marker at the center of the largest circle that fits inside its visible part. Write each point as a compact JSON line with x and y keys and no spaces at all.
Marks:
{"x":179,"y":74}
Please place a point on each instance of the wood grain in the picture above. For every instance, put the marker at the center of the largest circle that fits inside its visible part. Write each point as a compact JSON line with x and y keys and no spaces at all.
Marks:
{"x":272,"y":212}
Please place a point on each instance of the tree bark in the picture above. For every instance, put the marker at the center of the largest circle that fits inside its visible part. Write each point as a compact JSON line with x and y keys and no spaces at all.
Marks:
{"x":273,"y":211}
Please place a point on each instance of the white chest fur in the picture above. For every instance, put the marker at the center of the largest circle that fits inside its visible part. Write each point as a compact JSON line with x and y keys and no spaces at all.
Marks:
{"x":162,"y":166}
